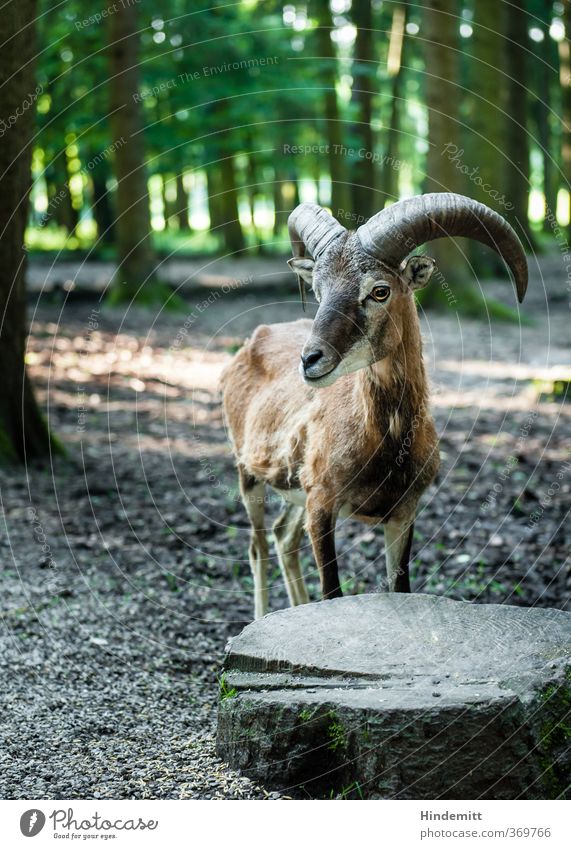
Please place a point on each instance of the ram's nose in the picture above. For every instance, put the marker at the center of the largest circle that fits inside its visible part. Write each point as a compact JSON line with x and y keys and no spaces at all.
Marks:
{"x":317,"y":361}
{"x":311,"y":358}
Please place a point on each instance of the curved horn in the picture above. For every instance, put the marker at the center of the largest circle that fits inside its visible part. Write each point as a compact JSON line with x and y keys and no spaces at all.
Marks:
{"x":394,"y":232}
{"x":312,"y":230}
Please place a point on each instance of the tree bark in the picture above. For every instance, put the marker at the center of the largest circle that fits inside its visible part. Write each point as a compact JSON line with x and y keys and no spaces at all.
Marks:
{"x":543,"y":104}
{"x":253,"y":190}
{"x":565,"y":81}
{"x":102,"y":207}
{"x":486,"y":144}
{"x":231,"y":228}
{"x":136,"y":259}
{"x":362,"y":170}
{"x":333,"y":128}
{"x":23,"y":431}
{"x":395,"y":61}
{"x":181,"y":202}
{"x":213,"y":187}
{"x":440,"y":30}
{"x":60,"y":208}
{"x":517,"y":166}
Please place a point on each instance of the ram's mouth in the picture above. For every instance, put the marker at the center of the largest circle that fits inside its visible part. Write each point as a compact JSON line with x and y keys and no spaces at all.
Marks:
{"x":324,"y":379}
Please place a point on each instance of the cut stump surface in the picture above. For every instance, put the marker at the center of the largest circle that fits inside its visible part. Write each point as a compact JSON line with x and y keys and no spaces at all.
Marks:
{"x":401,"y":696}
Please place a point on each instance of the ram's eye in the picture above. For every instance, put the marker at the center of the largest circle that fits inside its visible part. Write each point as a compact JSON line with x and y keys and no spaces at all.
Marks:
{"x":381,"y":293}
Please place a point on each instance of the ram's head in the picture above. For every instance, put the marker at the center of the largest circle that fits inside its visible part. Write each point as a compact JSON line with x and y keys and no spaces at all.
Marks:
{"x":362,"y":279}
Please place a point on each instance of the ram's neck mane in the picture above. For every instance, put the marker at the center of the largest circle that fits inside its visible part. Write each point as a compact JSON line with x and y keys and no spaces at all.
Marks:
{"x":393,"y":391}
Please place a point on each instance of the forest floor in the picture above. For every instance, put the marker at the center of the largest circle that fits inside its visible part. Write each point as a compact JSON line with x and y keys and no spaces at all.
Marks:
{"x":124,"y":568}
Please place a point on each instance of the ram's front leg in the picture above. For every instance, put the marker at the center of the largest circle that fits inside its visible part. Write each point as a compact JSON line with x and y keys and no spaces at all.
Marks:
{"x":398,"y":541}
{"x":321,"y":530}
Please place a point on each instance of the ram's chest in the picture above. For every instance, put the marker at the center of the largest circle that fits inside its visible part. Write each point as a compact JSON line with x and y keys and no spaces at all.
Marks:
{"x":382,"y":483}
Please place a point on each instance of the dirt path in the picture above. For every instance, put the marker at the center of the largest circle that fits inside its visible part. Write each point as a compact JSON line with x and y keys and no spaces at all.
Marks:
{"x":124,"y":567}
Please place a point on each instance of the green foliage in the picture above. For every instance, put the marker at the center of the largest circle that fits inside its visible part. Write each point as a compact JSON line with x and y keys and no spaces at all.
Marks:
{"x":246,"y":83}
{"x":336,"y":734}
{"x":226,"y":692}
{"x":351,"y":791}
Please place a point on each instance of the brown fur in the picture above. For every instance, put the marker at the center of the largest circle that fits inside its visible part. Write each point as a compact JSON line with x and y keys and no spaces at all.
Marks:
{"x":339,"y":443}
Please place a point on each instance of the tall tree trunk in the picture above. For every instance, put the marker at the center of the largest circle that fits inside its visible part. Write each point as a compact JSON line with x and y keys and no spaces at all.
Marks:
{"x":316,"y":176}
{"x":169,"y":204}
{"x":102,"y":207}
{"x":334,"y":133}
{"x":181,"y":202}
{"x":23,"y":432}
{"x":279,"y":215}
{"x":213,"y":188}
{"x":544,"y":104}
{"x":395,"y":61}
{"x":231,"y":228}
{"x":362,"y":171}
{"x":253,"y":190}
{"x":136,"y":260}
{"x":517,"y":166}
{"x":60,"y":208}
{"x":440,"y":31}
{"x":487,"y":121}
{"x":565,"y":80}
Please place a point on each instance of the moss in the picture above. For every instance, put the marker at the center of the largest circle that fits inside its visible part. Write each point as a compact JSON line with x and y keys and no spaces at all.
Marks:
{"x":555,"y":736}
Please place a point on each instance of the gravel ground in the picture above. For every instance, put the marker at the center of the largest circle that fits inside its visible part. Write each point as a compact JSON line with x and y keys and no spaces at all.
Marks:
{"x":124,"y":570}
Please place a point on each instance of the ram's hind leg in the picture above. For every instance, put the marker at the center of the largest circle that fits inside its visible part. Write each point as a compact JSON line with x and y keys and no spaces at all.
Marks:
{"x":253,"y":492}
{"x":398,"y":541}
{"x":288,"y":531}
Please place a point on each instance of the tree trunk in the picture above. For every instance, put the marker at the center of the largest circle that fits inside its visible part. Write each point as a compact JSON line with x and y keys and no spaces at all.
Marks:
{"x":487,"y":121}
{"x":102,"y":208}
{"x":395,"y":61}
{"x":517,"y":166}
{"x":440,"y":31}
{"x":170,"y":204}
{"x":181,"y":202}
{"x":23,"y":432}
{"x":253,"y":190}
{"x":544,"y":103}
{"x":279,"y":216}
{"x":136,"y":260}
{"x":60,"y":208}
{"x":362,"y":168}
{"x":213,"y":187}
{"x":565,"y":80}
{"x":231,"y":228}
{"x":333,"y":128}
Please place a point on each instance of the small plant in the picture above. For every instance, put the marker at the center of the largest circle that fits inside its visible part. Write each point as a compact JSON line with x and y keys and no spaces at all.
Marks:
{"x":336,"y":734}
{"x":352,"y":790}
{"x":226,"y":692}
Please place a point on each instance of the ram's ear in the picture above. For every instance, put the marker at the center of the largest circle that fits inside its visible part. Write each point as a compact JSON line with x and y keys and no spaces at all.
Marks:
{"x":418,"y":271}
{"x":303,"y":267}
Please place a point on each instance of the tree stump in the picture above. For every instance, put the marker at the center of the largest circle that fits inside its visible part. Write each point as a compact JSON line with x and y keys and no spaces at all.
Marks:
{"x":401,"y":696}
